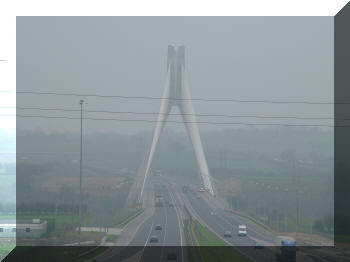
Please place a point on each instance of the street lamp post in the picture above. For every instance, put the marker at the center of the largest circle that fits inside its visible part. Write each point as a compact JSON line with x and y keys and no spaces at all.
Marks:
{"x":81,"y":162}
{"x":297,"y":199}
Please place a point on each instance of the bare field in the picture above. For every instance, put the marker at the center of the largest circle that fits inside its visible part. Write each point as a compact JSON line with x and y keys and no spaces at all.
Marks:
{"x":230,"y":185}
{"x":92,"y":184}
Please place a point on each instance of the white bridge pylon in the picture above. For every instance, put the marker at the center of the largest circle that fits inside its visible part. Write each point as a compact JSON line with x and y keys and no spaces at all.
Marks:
{"x":176,"y":93}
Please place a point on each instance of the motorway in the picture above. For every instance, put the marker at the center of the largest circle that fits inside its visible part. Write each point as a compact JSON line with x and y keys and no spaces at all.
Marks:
{"x":209,"y":212}
{"x":170,"y":237}
{"x":219,"y":221}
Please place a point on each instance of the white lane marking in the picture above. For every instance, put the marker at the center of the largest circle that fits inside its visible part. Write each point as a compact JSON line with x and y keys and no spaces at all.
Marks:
{"x":219,"y":236}
{"x":223,"y":218}
{"x":180,"y":220}
{"x":253,"y":228}
{"x":176,"y":211}
{"x":181,"y":200}
{"x":166,"y":222}
{"x":138,"y":227}
{"x":242,"y":220}
{"x":227,"y":222}
{"x":149,"y":234}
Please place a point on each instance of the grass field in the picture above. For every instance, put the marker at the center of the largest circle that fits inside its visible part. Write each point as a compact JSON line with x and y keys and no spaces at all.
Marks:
{"x":110,"y":238}
{"x":56,"y":254}
{"x":5,"y":249}
{"x":7,"y":217}
{"x":123,"y":216}
{"x":62,"y":227}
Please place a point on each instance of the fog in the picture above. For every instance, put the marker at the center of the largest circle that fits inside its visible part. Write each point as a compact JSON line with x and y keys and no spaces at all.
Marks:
{"x":268,"y":146}
{"x":244,"y":58}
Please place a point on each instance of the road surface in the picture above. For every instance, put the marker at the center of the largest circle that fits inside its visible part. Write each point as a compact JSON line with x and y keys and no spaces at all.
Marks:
{"x":170,"y":237}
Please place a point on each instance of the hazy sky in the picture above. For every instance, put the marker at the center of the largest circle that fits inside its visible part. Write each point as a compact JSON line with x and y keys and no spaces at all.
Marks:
{"x":249,"y":58}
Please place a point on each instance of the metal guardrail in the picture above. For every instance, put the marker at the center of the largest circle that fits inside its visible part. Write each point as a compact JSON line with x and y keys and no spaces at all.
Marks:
{"x":103,"y":241}
{"x":194,"y":243}
{"x":130,"y":218}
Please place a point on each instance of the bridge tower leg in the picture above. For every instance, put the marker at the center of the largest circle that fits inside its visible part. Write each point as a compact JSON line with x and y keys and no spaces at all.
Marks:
{"x":176,"y":93}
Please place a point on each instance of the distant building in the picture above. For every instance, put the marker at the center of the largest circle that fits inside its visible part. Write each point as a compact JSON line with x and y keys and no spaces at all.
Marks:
{"x":34,"y":228}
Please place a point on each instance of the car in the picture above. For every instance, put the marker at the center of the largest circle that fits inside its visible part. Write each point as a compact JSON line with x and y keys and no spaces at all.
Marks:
{"x":242,"y":230}
{"x":259,"y":245}
{"x":198,"y":196}
{"x":158,"y":227}
{"x":171,"y":204}
{"x":227,"y":234}
{"x":153,"y":239}
{"x":171,"y":256}
{"x":212,"y":213}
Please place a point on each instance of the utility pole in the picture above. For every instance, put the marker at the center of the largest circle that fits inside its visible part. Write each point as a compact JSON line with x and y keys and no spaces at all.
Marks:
{"x":331,"y":211}
{"x":297,"y":219}
{"x":285,"y":222}
{"x":81,"y":163}
{"x":297,"y":200}
{"x":311,"y":230}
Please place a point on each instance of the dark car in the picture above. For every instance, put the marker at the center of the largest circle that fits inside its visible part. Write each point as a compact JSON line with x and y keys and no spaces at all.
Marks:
{"x":153,"y":239}
{"x":171,"y":256}
{"x":158,"y":227}
{"x":227,"y":234}
{"x":171,"y":204}
{"x":259,"y":245}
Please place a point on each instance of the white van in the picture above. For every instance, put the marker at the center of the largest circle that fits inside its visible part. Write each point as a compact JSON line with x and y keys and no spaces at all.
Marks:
{"x":242,"y":230}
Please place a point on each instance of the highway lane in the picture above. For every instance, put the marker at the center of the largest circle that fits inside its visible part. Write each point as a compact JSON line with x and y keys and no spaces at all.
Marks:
{"x":255,"y":231}
{"x":169,"y":238}
{"x":219,"y":223}
{"x":139,"y":248}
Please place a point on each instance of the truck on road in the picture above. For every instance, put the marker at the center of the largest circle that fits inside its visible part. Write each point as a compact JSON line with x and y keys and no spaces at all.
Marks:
{"x":185,"y":189}
{"x":288,"y":250}
{"x":242,"y":230}
{"x":159,"y":201}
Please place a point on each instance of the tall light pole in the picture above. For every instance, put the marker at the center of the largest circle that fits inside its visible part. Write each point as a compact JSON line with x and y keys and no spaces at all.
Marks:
{"x":81,"y":163}
{"x":297,"y":199}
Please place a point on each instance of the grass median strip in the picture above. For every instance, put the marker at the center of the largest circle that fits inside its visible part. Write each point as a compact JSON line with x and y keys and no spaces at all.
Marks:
{"x":204,"y":237}
{"x":190,"y":249}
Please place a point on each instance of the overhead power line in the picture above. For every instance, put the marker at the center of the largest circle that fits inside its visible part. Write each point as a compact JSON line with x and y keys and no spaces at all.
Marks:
{"x":180,"y":122}
{"x":179,"y":114}
{"x":193,"y":99}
